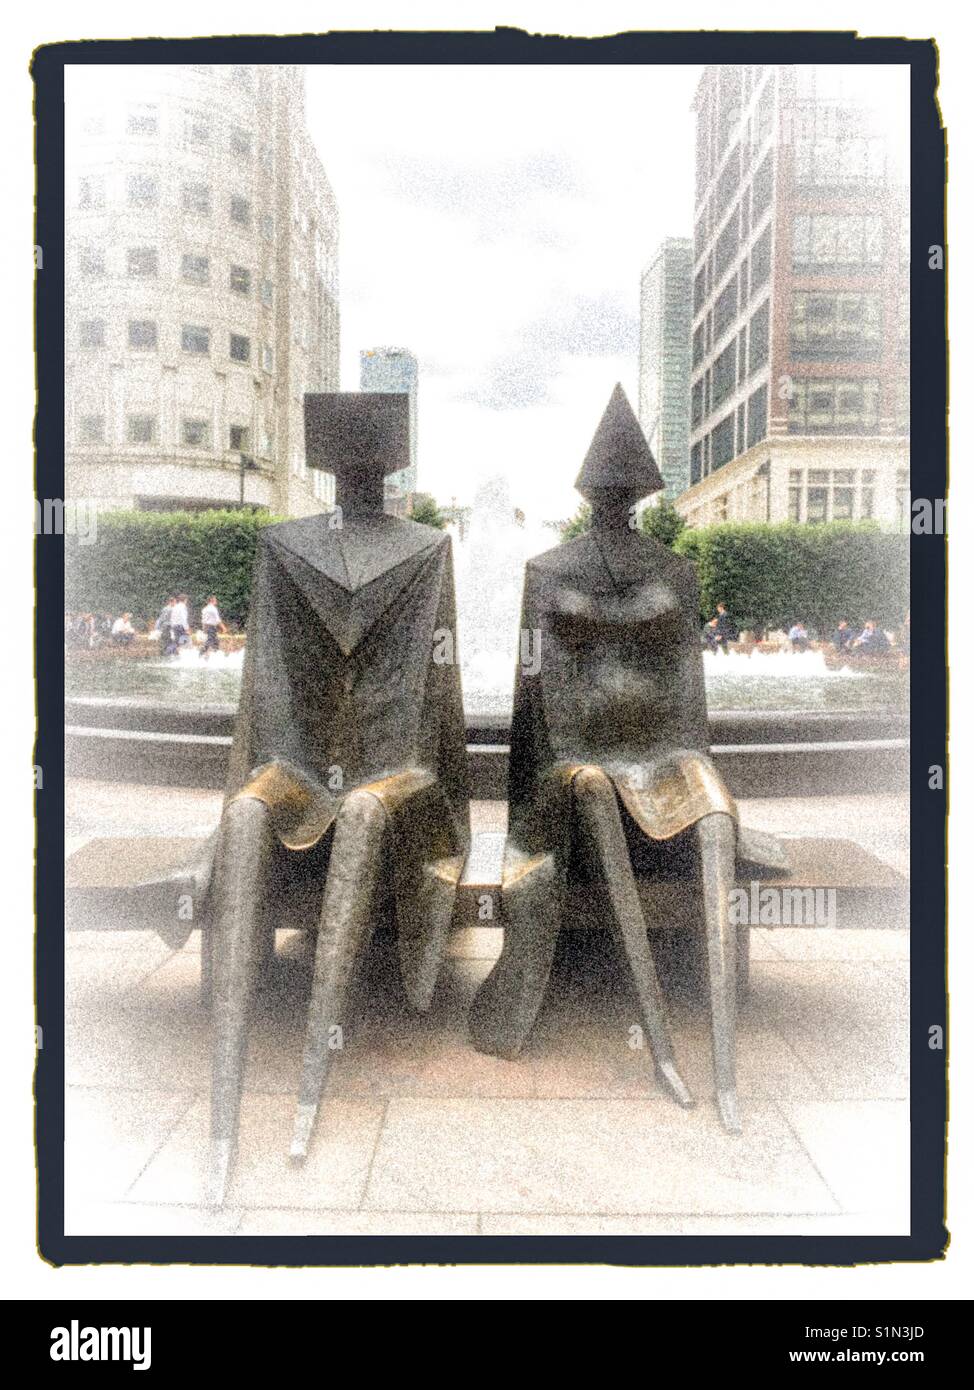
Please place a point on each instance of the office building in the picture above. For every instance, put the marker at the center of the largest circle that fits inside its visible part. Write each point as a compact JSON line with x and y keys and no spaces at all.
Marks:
{"x":201,"y":288}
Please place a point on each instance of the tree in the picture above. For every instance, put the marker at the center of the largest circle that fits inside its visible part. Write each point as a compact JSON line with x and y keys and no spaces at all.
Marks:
{"x":426,"y":511}
{"x":664,"y":523}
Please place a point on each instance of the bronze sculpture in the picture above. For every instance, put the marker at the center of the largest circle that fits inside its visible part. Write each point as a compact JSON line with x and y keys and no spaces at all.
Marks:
{"x":610,"y":773}
{"x":349,"y":761}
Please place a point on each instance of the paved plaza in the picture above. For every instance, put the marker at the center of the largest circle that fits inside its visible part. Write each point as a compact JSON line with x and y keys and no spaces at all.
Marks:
{"x":420,"y":1134}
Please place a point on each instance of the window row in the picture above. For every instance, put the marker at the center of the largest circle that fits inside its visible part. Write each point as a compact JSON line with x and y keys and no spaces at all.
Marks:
{"x":142,"y":263}
{"x":833,"y":406}
{"x":143,"y":334}
{"x":836,"y":325}
{"x":828,"y":240}
{"x":195,"y":432}
{"x":831,"y":494}
{"x":143,"y":192}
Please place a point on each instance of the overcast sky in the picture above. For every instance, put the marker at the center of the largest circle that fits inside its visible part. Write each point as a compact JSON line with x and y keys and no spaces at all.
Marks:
{"x":495,"y":220}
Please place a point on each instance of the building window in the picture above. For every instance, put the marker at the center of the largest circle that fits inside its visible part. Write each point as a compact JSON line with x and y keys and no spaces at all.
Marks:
{"x":837,"y":240}
{"x":91,"y":261}
{"x":143,"y":119}
{"x":196,"y":199}
{"x":241,"y":143}
{"x":196,"y":433}
{"x":266,"y":444}
{"x":836,"y":406}
{"x":757,"y":416}
{"x":91,"y":429}
{"x":725,"y":373}
{"x":91,"y":333}
{"x":762,"y":187}
{"x":267,"y":226}
{"x":726,"y":248}
{"x":758,"y":338}
{"x":239,"y":438}
{"x":196,"y":128}
{"x":267,"y":358}
{"x":695,"y":464}
{"x":143,"y":262}
{"x":722,"y":442}
{"x":141,"y":429}
{"x":239,"y":348}
{"x":266,"y":293}
{"x":196,"y":269}
{"x":696,"y":403}
{"x":142,"y":334}
{"x":240,"y":211}
{"x":761,"y":260}
{"x":195,"y":338}
{"x":240,"y":279}
{"x":835,"y":325}
{"x":795,"y":495}
{"x":91,"y":191}
{"x":725,"y":310}
{"x":698,"y":347}
{"x":142,"y":190}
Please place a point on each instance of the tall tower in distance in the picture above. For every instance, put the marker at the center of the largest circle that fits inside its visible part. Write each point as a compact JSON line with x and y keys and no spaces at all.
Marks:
{"x":800,"y":375}
{"x":394,"y":369}
{"x":201,"y":287}
{"x":665,"y":317}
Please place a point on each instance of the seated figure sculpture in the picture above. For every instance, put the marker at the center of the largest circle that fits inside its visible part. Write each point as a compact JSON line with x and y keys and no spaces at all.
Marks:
{"x":610,"y":763}
{"x":348,"y":768}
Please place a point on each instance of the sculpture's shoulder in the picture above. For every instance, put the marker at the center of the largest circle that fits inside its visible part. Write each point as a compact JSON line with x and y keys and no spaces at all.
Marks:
{"x":562,"y":561}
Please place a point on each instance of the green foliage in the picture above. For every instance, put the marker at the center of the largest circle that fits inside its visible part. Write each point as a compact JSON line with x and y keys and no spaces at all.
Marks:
{"x":426,"y":511}
{"x":140,"y":558}
{"x":772,"y":574}
{"x":664,"y":523}
{"x":576,"y":525}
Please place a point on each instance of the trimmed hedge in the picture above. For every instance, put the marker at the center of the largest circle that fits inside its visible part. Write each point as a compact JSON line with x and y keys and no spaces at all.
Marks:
{"x":770,"y":574}
{"x":140,"y":558}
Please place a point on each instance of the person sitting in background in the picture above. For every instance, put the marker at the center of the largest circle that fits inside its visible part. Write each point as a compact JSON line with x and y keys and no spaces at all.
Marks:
{"x":122,"y":630}
{"x":725,"y":629}
{"x":798,"y":637}
{"x":710,"y":634}
{"x":872,"y":640}
{"x":842,"y":636}
{"x":212,"y":625}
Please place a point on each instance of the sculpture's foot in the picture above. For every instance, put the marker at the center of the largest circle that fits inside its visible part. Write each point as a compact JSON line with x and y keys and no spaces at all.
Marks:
{"x":727,"y":1105}
{"x":673,"y":1082}
{"x":303,"y":1125}
{"x":218,"y":1172}
{"x":344,"y":930}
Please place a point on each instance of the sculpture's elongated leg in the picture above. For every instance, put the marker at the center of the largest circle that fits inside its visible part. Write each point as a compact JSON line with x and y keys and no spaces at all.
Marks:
{"x":598,"y":808}
{"x":717,"y":839}
{"x":242,"y":859}
{"x":344,"y":930}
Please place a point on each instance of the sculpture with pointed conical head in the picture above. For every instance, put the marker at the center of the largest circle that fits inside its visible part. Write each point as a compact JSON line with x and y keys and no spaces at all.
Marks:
{"x":619,"y":468}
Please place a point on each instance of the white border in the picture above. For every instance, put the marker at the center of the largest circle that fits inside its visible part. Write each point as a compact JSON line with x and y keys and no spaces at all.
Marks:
{"x":24,"y":1275}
